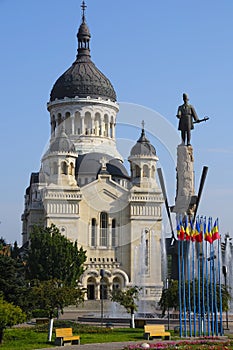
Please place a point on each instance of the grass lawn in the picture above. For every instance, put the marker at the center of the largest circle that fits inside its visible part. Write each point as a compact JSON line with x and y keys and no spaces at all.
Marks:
{"x":30,"y":338}
{"x":36,"y":337}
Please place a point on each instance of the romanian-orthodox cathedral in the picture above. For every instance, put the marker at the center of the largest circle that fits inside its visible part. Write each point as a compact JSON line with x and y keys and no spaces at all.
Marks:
{"x":85,"y":190}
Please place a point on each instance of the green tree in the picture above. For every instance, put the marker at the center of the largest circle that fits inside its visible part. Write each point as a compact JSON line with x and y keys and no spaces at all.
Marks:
{"x":12,"y":280}
{"x":169,"y":297}
{"x":9,"y":316}
{"x":53,"y":296}
{"x":52,"y":256}
{"x":128,"y":299}
{"x":57,"y":264}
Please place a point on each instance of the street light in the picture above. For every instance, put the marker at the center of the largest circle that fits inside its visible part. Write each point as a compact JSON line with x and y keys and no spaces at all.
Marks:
{"x":224,"y":271}
{"x":102,"y":273}
{"x":168,"y":313}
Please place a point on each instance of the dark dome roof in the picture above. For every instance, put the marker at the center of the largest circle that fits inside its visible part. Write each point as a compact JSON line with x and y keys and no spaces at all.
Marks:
{"x":62,"y":143}
{"x":90,"y":164}
{"x":83,"y":78}
{"x":143,"y":147}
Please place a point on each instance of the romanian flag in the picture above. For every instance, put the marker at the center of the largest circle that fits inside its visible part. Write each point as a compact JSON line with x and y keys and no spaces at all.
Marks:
{"x":208,"y":232}
{"x":192,"y":231}
{"x":198,"y":232}
{"x":215,"y":233}
{"x":187,"y":230}
{"x":180,"y":230}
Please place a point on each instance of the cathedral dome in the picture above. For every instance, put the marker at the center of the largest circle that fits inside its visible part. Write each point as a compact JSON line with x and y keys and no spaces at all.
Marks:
{"x":143,"y":147}
{"x":83,"y":78}
{"x":91,"y":164}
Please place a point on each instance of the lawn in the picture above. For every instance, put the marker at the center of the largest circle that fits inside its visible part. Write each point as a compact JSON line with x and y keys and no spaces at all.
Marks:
{"x":30,"y":338}
{"x":36,"y":337}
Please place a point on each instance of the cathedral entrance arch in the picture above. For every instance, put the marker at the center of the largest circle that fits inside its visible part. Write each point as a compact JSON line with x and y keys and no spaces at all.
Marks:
{"x":91,"y":288}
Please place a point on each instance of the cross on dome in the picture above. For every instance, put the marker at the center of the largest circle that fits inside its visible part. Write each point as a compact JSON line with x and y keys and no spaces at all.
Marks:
{"x":83,"y":7}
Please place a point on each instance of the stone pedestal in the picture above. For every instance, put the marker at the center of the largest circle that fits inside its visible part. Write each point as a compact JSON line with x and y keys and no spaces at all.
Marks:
{"x":185,"y":198}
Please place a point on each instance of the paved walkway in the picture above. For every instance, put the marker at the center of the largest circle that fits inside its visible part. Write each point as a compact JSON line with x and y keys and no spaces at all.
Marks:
{"x":120,"y":345}
{"x":98,"y":346}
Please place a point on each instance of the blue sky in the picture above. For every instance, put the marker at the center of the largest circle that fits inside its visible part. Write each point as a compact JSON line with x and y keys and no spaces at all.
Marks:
{"x":152,"y":52}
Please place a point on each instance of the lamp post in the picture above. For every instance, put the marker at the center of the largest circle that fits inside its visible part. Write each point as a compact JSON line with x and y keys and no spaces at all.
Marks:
{"x":224,"y":271}
{"x":168,"y":313}
{"x":102,"y":272}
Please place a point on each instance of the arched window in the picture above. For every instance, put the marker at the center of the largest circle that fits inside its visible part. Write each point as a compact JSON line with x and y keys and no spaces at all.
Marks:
{"x":147,"y":256}
{"x":59,"y":118}
{"x":153,"y":172}
{"x":67,"y":115}
{"x":77,"y":124}
{"x":110,"y":130}
{"x":106,"y":125}
{"x":53,"y":124}
{"x":97,"y":123}
{"x":116,"y":284}
{"x":64,"y":168}
{"x":113,"y":232}
{"x":103,"y":229}
{"x":93,"y":232}
{"x":55,"y":168}
{"x":71,"y":169}
{"x":88,"y":123}
{"x":145,"y":171}
{"x":137,"y":171}
{"x":91,"y":283}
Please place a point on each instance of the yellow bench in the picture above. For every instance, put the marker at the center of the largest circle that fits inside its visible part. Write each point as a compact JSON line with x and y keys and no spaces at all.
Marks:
{"x":65,"y":335}
{"x":155,"y":330}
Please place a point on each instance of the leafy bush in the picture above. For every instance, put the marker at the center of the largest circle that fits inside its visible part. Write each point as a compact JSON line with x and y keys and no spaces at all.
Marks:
{"x":40,"y":313}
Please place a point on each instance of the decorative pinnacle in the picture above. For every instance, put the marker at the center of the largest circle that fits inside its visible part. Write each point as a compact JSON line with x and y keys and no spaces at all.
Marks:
{"x":83,"y":7}
{"x":143,"y":130}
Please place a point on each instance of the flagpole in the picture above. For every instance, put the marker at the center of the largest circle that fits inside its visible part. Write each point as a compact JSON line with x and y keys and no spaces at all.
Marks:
{"x":220,"y":286}
{"x":179,"y":287}
{"x":211,"y":289}
{"x":207,"y":278}
{"x":203,"y":287}
{"x":215,"y":295}
{"x":189,"y":297}
{"x":183,"y":285}
{"x":199,"y":296}
{"x":207,"y":291}
{"x":194,"y":292}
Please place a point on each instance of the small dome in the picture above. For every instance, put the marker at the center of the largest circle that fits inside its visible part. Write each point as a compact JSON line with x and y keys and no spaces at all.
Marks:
{"x":90,"y":164}
{"x":62,"y":143}
{"x":143,"y":147}
{"x":83,"y":31}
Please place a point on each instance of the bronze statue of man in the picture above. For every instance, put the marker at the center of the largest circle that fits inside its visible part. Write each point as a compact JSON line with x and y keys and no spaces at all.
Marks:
{"x":186,"y":113}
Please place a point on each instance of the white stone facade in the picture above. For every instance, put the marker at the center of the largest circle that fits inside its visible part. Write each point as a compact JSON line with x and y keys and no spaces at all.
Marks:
{"x":84,"y":189}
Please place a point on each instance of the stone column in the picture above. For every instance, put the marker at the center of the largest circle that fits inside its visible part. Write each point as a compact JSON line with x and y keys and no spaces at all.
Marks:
{"x":72,"y":124}
{"x":83,"y":124}
{"x":185,"y":179}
